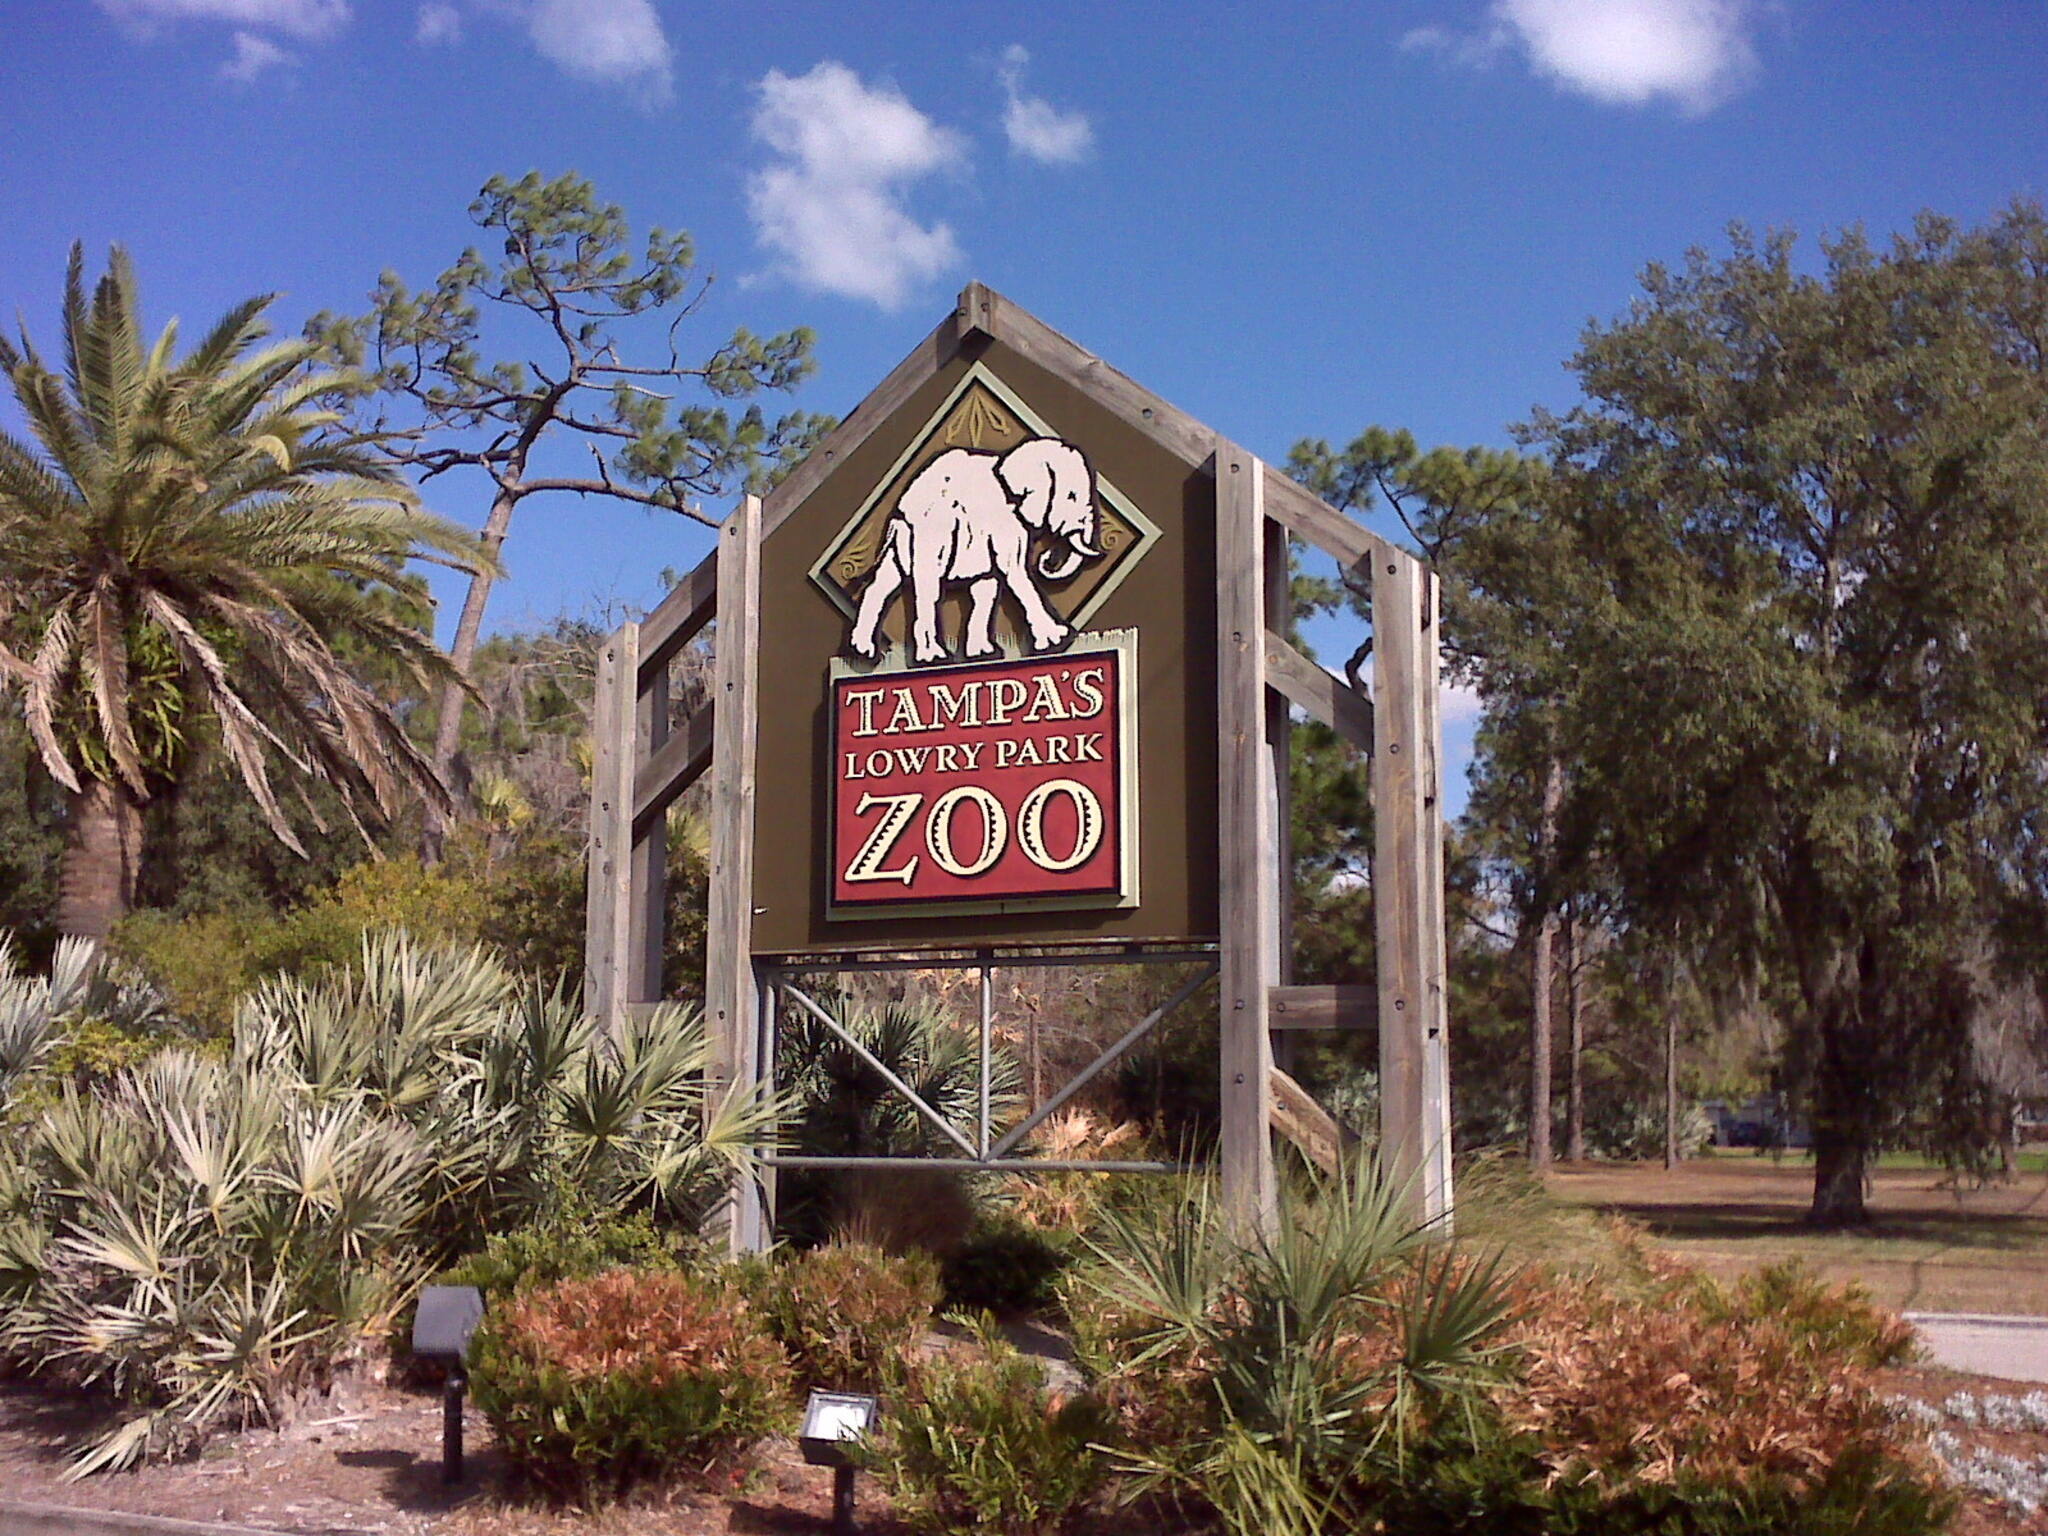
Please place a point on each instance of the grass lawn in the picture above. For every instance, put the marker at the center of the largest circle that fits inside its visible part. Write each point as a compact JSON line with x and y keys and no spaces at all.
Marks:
{"x":1932,"y":1246}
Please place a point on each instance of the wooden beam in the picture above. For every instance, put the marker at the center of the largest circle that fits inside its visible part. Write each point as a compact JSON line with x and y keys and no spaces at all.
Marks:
{"x":1326,"y":697}
{"x":607,"y":933}
{"x":1307,"y":516}
{"x":647,"y":915}
{"x":677,"y":764}
{"x":1324,"y":1007}
{"x":1406,"y":884}
{"x":678,"y":617}
{"x":1023,"y":332}
{"x":930,"y":355}
{"x":1247,"y":862}
{"x":731,"y":987}
{"x":1324,"y":1140}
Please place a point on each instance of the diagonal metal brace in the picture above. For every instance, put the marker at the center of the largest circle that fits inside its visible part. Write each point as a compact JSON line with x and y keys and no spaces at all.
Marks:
{"x":1131,"y":1037}
{"x":891,"y":1078}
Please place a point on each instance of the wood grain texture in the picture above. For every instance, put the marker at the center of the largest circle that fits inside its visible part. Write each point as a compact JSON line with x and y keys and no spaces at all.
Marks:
{"x":1308,"y":517}
{"x":1169,"y":426}
{"x":1323,"y":1007}
{"x":676,"y":764}
{"x":1248,"y":865}
{"x":1324,"y":1140}
{"x":925,"y":360}
{"x":1407,"y":883}
{"x":647,"y":917}
{"x":678,"y":618}
{"x":607,"y":937}
{"x":731,"y":988}
{"x":1326,"y":698}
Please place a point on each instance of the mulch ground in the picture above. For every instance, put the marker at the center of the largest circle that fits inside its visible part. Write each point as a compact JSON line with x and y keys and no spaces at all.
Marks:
{"x":369,"y":1459}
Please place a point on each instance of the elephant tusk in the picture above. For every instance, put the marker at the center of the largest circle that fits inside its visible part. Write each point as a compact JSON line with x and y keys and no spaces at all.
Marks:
{"x":1055,"y":567}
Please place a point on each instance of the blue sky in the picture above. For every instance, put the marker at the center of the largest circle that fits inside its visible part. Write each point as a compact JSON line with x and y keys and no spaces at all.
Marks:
{"x":1288,"y":220}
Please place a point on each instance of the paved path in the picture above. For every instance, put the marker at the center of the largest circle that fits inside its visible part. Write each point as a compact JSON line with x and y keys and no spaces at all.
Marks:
{"x":2015,"y":1348}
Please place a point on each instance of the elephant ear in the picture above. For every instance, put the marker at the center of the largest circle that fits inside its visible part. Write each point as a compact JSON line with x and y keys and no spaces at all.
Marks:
{"x":1027,"y":474}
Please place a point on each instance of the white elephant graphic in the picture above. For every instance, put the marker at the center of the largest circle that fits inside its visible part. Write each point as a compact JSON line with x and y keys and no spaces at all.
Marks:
{"x":968,"y":519}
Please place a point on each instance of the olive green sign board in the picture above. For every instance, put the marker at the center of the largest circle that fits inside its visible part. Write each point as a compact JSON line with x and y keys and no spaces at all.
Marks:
{"x":1138,"y":560}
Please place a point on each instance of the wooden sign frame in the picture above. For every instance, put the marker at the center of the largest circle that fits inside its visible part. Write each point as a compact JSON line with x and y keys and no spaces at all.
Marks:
{"x":640,"y":767}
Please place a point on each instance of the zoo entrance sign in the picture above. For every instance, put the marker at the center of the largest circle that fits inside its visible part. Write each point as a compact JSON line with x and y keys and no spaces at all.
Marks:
{"x":1001,"y":677}
{"x":984,"y":758}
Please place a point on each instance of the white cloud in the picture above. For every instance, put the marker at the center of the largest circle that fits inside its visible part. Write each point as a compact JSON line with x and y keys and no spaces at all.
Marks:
{"x":1696,"y":53}
{"x":832,"y":204}
{"x":1036,"y":128}
{"x":438,"y":23}
{"x":253,"y":55}
{"x":310,"y":20}
{"x":614,"y":42}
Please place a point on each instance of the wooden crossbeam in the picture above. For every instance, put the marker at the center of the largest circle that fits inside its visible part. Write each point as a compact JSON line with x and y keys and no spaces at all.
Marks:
{"x":678,"y":617}
{"x":939,"y":348}
{"x":1324,"y":1140}
{"x":1324,"y":1007}
{"x":674,"y":766}
{"x":1329,"y":699}
{"x":1169,"y":426}
{"x":1307,"y":516}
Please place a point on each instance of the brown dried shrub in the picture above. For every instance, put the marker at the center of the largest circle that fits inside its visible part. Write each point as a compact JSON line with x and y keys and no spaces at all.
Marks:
{"x":633,"y":1375}
{"x":847,"y":1311}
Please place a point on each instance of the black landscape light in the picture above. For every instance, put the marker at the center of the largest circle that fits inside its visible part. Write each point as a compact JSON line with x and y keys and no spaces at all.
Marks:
{"x":834,"y":1423}
{"x":442,"y":1326}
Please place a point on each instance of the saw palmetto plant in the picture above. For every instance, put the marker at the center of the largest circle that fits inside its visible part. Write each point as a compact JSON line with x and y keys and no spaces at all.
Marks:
{"x":194,"y":549}
{"x":211,"y":1240}
{"x":1279,"y":1377}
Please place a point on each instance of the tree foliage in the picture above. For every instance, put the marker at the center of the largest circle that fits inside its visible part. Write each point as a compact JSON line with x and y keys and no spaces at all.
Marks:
{"x":1812,"y":669}
{"x":199,"y":549}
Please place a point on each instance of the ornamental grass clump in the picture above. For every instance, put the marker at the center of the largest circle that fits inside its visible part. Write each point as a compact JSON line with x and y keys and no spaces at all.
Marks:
{"x":627,"y":1377}
{"x":847,"y":1313}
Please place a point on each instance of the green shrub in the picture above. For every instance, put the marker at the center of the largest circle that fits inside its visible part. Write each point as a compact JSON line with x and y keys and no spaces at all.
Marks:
{"x":845,"y":1313}
{"x":629,"y":1376}
{"x":570,"y":1242}
{"x":206,"y":962}
{"x":209,"y":1239}
{"x":1004,"y":1266}
{"x":972,"y":1442}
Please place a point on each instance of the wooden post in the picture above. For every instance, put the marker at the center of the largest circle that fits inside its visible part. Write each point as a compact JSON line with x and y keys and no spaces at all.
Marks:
{"x":731,"y":988}
{"x":1279,"y":605}
{"x":648,"y":900}
{"x":1246,"y":825}
{"x":608,"y":943}
{"x":1407,"y":884}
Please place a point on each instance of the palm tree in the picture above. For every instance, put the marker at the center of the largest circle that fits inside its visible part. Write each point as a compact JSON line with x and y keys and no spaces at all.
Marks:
{"x":189,"y":550}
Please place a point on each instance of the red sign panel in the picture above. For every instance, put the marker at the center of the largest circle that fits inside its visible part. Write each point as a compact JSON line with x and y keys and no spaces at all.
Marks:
{"x":991,"y":782}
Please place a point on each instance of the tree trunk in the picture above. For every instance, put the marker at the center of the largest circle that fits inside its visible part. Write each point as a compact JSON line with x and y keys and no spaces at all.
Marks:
{"x":1839,"y":1170}
{"x":1575,"y":1025}
{"x":1543,"y":973}
{"x":102,"y":855}
{"x":1841,"y":1136}
{"x":1671,"y":1158}
{"x":448,"y":727}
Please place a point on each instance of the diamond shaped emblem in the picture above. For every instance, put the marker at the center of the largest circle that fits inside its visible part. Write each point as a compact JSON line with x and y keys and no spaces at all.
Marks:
{"x":992,"y":520}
